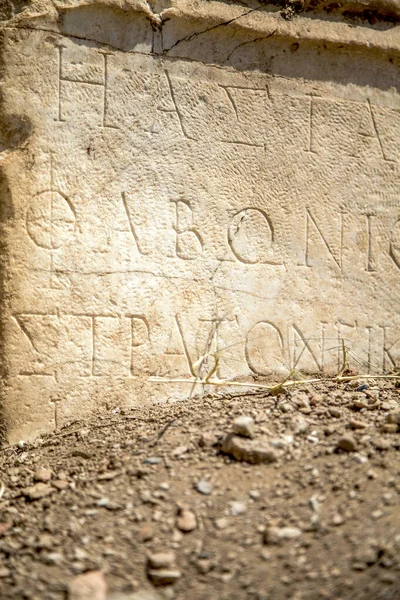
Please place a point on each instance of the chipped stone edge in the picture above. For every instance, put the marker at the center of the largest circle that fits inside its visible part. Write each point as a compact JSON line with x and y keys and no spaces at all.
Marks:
{"x":264,"y":20}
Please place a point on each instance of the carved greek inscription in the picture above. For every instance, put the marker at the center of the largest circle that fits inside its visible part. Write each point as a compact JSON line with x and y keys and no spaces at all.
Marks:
{"x":50,"y":219}
{"x":75,"y":351}
{"x":95,"y":74}
{"x":370,"y":266}
{"x":140,"y":330}
{"x":84,"y":345}
{"x":264,"y":349}
{"x":176,"y":107}
{"x":41,"y":333}
{"x":303,"y":349}
{"x":140,"y":244}
{"x":243,"y":101}
{"x":50,"y":223}
{"x":208,"y":366}
{"x":140,"y":340}
{"x":354,"y":129}
{"x":231,"y":99}
{"x":254,"y":238}
{"x":315,"y":237}
{"x":221,"y":348}
{"x":232,"y":114}
{"x":111,"y":346}
{"x":238,"y":126}
{"x":390,"y":349}
{"x":189,"y":242}
{"x":251,"y":236}
{"x":376,"y":132}
{"x":394,"y":247}
{"x":344,"y":330}
{"x":178,"y":348}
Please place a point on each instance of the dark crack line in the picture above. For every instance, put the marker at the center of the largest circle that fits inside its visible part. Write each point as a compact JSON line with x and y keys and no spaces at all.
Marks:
{"x":100,"y":45}
{"x":191,"y":36}
{"x":76,"y":37}
{"x":259,"y":39}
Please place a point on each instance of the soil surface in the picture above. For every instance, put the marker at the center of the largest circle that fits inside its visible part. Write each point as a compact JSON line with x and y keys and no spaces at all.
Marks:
{"x":147,"y":504}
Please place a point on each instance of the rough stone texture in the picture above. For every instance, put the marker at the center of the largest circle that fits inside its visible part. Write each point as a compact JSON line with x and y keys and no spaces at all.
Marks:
{"x":251,"y":451}
{"x":88,"y":586}
{"x":183,"y":179}
{"x":244,"y":426}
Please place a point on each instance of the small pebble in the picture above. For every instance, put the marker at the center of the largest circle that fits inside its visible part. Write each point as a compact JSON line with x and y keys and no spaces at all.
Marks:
{"x":179,"y":451}
{"x":300,"y":425}
{"x":274,"y":535}
{"x":394,"y":417}
{"x":161,"y":560}
{"x":237,"y":508}
{"x":162,"y":577}
{"x":60,"y":484}
{"x":208,"y":439}
{"x":152,"y":460}
{"x":146,"y":533}
{"x":335,"y":412}
{"x":204,"y":487}
{"x":186,"y":520}
{"x":102,"y":502}
{"x":347,"y":443}
{"x":337,"y":519}
{"x":377,"y":514}
{"x":251,"y":451}
{"x":390,"y":428}
{"x":88,"y":586}
{"x":356,"y":424}
{"x":42,"y":474}
{"x":362,"y":387}
{"x":387,"y":577}
{"x":381,"y":444}
{"x":254,"y":494}
{"x":244,"y":426}
{"x":37,"y":491}
{"x":221,"y":523}
{"x":266,"y":554}
{"x":360,"y":458}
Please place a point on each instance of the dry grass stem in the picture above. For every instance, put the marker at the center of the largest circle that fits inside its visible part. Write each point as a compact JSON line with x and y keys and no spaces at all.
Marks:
{"x":263,"y":386}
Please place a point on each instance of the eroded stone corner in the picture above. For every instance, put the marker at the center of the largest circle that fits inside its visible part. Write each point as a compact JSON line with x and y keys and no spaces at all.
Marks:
{"x":15,"y":131}
{"x":4,"y":204}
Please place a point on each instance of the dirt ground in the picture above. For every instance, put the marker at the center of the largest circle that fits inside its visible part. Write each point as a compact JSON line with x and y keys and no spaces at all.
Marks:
{"x":148,"y":503}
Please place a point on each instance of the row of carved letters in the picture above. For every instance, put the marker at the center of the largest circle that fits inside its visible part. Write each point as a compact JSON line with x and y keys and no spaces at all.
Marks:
{"x":189,"y":243}
{"x":262,"y":346}
{"x":309,"y":145}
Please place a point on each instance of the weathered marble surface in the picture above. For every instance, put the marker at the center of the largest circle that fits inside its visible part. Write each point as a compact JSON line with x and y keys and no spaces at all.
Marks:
{"x":189,"y":178}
